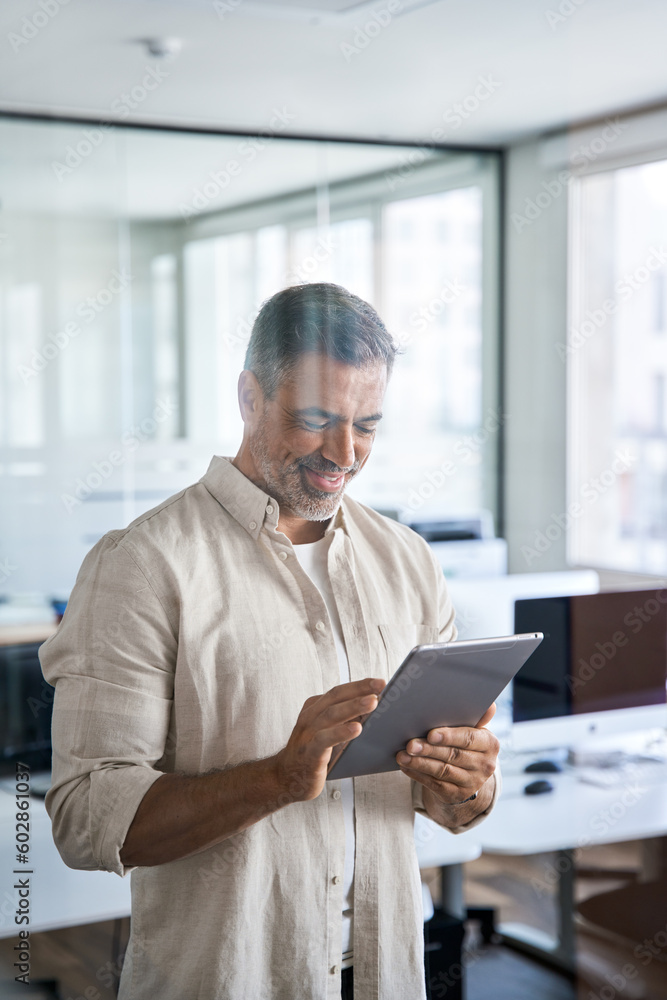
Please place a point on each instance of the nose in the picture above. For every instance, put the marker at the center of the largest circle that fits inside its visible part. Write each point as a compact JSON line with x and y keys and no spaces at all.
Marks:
{"x":339,"y":446}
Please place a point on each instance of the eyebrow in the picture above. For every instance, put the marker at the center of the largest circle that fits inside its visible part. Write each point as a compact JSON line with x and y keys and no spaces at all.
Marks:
{"x":316,"y":411}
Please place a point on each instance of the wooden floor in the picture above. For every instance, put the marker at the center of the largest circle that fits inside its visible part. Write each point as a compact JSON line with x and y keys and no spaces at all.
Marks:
{"x":80,"y":959}
{"x":501,"y":974}
{"x":513,"y":976}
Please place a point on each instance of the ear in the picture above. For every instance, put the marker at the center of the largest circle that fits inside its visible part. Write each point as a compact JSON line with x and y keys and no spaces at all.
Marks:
{"x":251,"y":397}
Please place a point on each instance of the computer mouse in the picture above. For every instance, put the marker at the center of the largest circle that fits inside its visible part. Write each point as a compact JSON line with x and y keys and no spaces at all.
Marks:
{"x":543,"y":767}
{"x":538,"y":787}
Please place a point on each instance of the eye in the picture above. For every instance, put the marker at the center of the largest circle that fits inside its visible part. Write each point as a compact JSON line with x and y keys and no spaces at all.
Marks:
{"x":365,"y":430}
{"x":314,"y":427}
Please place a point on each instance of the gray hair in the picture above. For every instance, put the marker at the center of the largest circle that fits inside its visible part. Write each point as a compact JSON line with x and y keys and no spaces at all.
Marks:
{"x":322,"y":318}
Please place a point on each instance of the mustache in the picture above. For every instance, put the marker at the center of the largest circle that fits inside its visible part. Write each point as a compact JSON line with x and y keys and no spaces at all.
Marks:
{"x":319,"y":464}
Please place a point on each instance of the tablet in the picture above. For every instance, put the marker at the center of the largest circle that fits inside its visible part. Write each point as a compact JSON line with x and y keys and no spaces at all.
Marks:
{"x":445,"y":684}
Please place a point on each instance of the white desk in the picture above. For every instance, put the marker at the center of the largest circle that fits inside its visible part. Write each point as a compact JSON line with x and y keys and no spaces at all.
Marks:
{"x":573,"y":815}
{"x":437,"y":847}
{"x":59,"y":896}
{"x":63,"y":897}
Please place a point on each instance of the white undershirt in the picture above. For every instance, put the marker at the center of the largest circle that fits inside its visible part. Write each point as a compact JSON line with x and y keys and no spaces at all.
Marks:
{"x":313,"y":560}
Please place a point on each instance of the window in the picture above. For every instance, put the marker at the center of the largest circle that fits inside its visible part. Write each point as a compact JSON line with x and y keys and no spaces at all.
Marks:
{"x":616,"y":351}
{"x":128,"y":288}
{"x":419,"y":259}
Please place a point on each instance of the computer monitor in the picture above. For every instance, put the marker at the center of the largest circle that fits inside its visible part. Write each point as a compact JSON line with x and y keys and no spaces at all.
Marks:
{"x":26,"y":707}
{"x":600,"y":671}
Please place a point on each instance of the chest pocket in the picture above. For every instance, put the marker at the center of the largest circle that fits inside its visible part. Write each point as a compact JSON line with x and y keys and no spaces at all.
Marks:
{"x":398,"y":640}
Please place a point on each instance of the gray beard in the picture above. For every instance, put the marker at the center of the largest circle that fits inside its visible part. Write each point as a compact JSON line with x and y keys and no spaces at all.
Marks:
{"x":288,"y":487}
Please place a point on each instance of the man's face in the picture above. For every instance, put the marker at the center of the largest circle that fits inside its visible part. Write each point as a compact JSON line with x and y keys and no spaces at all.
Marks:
{"x":314,"y":436}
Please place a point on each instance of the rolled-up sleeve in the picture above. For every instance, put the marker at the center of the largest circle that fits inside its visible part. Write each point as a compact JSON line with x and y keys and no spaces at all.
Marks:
{"x":112,"y":664}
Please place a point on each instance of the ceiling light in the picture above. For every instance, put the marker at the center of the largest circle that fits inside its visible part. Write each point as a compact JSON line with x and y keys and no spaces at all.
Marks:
{"x":160,"y":48}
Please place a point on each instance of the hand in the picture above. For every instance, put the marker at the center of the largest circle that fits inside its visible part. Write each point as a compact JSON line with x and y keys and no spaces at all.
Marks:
{"x":324,"y":722}
{"x":452,"y":763}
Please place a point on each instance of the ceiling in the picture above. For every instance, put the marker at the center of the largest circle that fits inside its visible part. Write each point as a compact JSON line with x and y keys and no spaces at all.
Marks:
{"x":393,"y":70}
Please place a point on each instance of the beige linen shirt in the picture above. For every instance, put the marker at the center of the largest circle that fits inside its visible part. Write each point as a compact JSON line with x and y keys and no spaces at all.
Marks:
{"x":191,"y":641}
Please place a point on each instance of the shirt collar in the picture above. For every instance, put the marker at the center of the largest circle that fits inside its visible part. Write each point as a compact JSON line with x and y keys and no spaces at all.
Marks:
{"x":247,"y":503}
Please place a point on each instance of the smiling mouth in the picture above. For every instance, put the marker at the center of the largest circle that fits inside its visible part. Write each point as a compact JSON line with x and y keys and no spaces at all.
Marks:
{"x":323,"y":481}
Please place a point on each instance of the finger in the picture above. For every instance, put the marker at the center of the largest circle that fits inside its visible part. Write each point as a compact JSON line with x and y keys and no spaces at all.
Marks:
{"x":437,"y":771}
{"x":477,"y":740}
{"x":336,"y":724}
{"x":445,"y":762}
{"x":465,"y":759}
{"x":355,"y":689}
{"x":343,"y":693}
{"x":326,"y":739}
{"x":446,"y":791}
{"x":343,"y":711}
{"x":488,"y":715}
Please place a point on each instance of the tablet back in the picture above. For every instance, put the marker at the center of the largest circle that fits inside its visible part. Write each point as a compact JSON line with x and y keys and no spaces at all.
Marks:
{"x":446,"y":684}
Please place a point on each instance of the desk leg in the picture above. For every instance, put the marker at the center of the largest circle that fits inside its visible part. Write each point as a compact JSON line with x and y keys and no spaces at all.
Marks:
{"x":451,"y":890}
{"x":443,"y":939}
{"x":566,"y":949}
{"x":561,"y":953}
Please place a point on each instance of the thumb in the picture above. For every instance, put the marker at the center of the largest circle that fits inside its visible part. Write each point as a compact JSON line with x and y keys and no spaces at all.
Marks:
{"x":486,"y":718}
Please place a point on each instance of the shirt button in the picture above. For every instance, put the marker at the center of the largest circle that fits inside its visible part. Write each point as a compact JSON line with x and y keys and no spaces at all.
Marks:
{"x":252,"y":525}
{"x":269,"y":509}
{"x":282,"y":555}
{"x":335,"y":969}
{"x":320,"y":626}
{"x":335,"y":794}
{"x":336,"y":880}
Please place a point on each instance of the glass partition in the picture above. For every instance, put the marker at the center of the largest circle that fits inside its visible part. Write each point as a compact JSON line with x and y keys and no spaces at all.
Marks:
{"x":132,"y":265}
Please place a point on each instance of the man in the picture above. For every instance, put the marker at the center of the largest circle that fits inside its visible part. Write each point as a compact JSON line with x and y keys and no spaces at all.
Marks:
{"x":214,"y":653}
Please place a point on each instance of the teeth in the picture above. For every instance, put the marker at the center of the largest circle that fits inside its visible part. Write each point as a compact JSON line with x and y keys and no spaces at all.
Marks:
{"x":323,"y":475}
